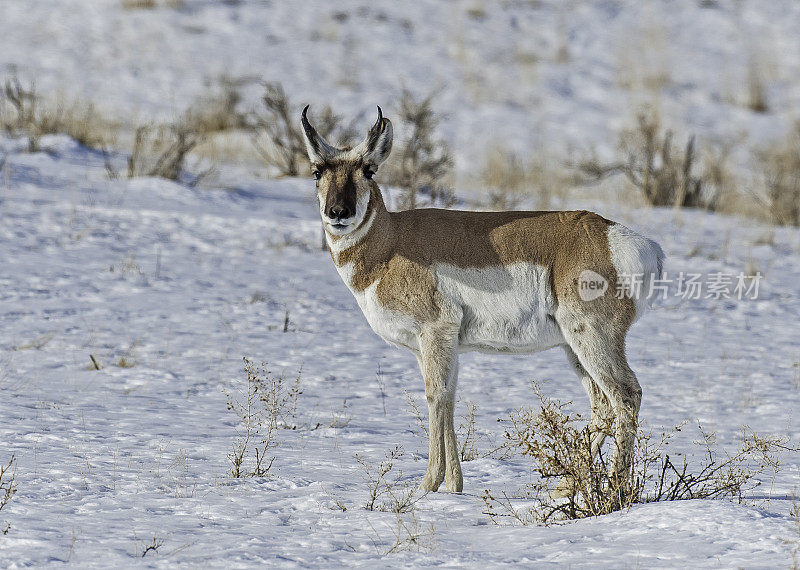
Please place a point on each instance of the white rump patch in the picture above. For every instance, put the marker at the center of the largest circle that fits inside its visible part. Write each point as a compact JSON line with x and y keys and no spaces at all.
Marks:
{"x":638,"y":261}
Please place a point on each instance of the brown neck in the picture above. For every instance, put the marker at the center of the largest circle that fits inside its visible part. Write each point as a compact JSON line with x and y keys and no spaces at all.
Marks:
{"x":382,"y":223}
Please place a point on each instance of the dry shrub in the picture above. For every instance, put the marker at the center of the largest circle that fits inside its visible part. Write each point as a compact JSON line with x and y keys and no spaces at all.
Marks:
{"x":153,"y":546}
{"x":795,"y":514}
{"x":421,"y":163}
{"x":388,"y":490}
{"x":560,"y":452}
{"x":267,"y":404}
{"x":162,"y":150}
{"x":8,"y":487}
{"x":151,"y":4}
{"x":279,"y":139}
{"x":22,"y":102}
{"x":509,"y":179}
{"x":660,"y":169}
{"x":756,"y":88}
{"x":468,"y":435}
{"x":780,"y":165}
{"x":23,"y":112}
{"x":219,"y":111}
{"x":138,"y":4}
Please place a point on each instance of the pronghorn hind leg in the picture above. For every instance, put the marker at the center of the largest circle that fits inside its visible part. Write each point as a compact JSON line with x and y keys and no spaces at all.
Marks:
{"x":439,"y":364}
{"x":601,"y":420}
{"x":601,"y":352}
{"x":602,"y":412}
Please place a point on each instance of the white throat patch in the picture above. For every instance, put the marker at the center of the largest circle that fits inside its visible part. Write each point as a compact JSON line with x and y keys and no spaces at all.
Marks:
{"x":347,"y":237}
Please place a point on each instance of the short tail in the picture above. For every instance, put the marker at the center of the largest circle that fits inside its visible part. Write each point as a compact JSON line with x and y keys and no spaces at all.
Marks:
{"x":638,"y":261}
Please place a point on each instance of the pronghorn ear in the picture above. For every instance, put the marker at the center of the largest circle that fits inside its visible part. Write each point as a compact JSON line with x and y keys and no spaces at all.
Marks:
{"x":317,"y":148}
{"x":378,"y":144}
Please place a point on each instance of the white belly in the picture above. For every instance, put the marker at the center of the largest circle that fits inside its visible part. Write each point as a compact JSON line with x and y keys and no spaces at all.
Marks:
{"x":505,"y":309}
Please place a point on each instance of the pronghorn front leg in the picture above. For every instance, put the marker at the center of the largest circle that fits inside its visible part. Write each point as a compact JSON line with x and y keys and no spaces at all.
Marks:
{"x":438,"y":359}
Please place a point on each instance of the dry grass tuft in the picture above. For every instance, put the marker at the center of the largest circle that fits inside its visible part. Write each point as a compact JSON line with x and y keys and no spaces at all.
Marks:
{"x":780,"y":167}
{"x":510,"y":179}
{"x":23,"y":112}
{"x":126,"y":362}
{"x":267,"y":404}
{"x":151,"y":4}
{"x":409,"y":535}
{"x":756,"y":88}
{"x":138,"y":4}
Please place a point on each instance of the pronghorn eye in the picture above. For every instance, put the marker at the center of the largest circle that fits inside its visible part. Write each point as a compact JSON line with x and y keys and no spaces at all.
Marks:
{"x":316,"y":174}
{"x":369,"y":173}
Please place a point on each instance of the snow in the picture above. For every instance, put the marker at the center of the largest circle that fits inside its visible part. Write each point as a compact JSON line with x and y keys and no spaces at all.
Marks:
{"x":187,"y":281}
{"x":496,"y":67}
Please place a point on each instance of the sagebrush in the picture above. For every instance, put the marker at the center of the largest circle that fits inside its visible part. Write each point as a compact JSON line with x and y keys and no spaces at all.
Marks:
{"x":560,"y":451}
{"x":278,"y":137}
{"x":162,"y":150}
{"x":662,"y":170}
{"x":421,"y":163}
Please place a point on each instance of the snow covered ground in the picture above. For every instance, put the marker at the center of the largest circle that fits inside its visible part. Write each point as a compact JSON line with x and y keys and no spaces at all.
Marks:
{"x":182,"y":283}
{"x":185,"y":282}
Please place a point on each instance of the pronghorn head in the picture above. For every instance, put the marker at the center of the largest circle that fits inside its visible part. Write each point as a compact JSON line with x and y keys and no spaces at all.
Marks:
{"x":344,"y":176}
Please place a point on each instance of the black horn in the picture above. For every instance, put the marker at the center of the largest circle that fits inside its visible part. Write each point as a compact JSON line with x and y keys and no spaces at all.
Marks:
{"x":316,"y":143}
{"x":311,"y":133}
{"x":373,"y":134}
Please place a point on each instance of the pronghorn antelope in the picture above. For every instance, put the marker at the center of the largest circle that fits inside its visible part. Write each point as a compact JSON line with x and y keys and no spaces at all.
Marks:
{"x":441,"y":282}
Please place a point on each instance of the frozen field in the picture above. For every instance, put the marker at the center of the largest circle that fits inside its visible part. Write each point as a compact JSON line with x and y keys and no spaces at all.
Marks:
{"x":168,"y":287}
{"x":185,"y":282}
